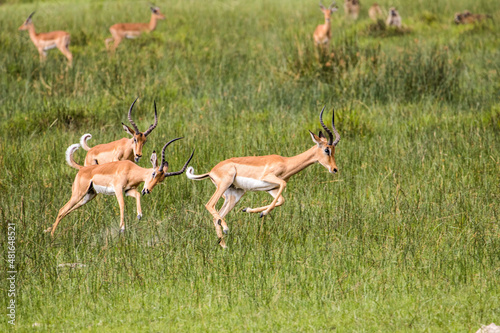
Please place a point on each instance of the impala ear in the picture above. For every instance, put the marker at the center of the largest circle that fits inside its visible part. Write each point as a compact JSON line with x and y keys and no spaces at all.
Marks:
{"x":154,"y":160}
{"x":128,"y":129}
{"x":316,"y":138}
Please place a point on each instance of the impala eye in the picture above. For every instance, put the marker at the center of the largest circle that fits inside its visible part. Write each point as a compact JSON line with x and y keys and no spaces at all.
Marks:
{"x":154,"y":174}
{"x":135,"y":140}
{"x":327,"y":151}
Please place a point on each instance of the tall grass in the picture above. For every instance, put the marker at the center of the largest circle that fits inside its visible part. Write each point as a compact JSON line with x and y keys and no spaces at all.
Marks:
{"x":404,"y":238}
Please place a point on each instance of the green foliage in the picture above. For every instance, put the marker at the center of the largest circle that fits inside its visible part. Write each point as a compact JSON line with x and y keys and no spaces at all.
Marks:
{"x":404,"y":238}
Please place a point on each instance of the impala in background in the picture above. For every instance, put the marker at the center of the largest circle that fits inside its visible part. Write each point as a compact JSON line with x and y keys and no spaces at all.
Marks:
{"x":115,"y":178}
{"x":235,"y":176}
{"x":119,"y":150}
{"x":119,"y":31}
{"x":48,"y":40}
{"x":323,"y":33}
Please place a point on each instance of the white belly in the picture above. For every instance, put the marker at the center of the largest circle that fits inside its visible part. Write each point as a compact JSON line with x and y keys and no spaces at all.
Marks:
{"x":250,"y":184}
{"x":49,"y":46}
{"x":104,"y":189}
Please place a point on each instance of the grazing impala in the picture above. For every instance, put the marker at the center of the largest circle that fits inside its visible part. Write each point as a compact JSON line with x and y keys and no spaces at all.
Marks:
{"x":118,"y":178}
{"x":235,"y":176}
{"x":49,"y":40}
{"x":468,"y":18}
{"x":323,"y":33}
{"x":132,"y":30}
{"x":123,"y":149}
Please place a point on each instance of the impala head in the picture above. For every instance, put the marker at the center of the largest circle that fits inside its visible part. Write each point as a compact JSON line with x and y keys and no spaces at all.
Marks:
{"x":159,"y":171}
{"x":138,"y":137}
{"x":155,"y":11}
{"x":328,"y":11}
{"x":326,"y":147}
{"x":393,"y":11}
{"x":27,"y":23}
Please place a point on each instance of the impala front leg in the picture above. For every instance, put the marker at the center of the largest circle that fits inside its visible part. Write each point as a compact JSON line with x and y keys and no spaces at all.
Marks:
{"x":133,"y":193}
{"x":121,"y":203}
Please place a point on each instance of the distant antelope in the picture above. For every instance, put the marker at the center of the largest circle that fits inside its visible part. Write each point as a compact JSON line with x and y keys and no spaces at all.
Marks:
{"x":115,"y":178}
{"x":322,"y":34}
{"x":393,"y":19}
{"x":235,"y":176}
{"x":351,"y":8}
{"x":123,"y":149}
{"x":468,"y":18}
{"x":375,"y":12}
{"x":48,"y":40}
{"x":132,"y":30}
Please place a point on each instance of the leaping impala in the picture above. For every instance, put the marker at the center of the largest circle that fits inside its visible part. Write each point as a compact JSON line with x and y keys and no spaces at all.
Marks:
{"x":132,"y":30}
{"x":119,"y":150}
{"x":323,"y":33}
{"x":236,"y":176}
{"x":48,"y":40}
{"x":118,"y":178}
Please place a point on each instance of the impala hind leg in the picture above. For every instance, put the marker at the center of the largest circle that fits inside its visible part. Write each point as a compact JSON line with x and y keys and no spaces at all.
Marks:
{"x":78,"y":199}
{"x":222,"y":186}
{"x":278,"y":199}
{"x":231,"y":198}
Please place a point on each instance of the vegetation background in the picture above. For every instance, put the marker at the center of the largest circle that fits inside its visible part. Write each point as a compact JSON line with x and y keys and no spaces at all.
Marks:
{"x":404,"y":238}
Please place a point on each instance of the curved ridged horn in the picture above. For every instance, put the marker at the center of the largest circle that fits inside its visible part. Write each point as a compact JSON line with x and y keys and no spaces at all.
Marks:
{"x":163,"y":150}
{"x":29,"y":17}
{"x":331,"y":6}
{"x":337,"y":135}
{"x":130,"y":116}
{"x":152,"y":127}
{"x":168,"y":174}
{"x":321,"y":5}
{"x":330,"y":134}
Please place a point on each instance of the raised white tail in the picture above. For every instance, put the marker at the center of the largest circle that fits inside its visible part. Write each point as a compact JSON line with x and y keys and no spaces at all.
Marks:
{"x":190,"y":174}
{"x":83,"y":141}
{"x":69,"y":156}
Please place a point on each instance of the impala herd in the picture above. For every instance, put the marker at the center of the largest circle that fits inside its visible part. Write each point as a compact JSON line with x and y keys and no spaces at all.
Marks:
{"x":322,"y":34}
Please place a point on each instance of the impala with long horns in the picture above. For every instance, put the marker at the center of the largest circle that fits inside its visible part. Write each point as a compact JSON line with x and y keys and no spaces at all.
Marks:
{"x":236,"y":176}
{"x":115,"y":178}
{"x":48,"y":40}
{"x":119,"y":31}
{"x":323,"y":33}
{"x":119,"y":150}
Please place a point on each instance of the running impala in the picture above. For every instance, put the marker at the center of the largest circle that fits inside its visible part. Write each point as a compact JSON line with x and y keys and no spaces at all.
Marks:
{"x":236,"y":176}
{"x":119,"y":31}
{"x":115,"y":178}
{"x":119,"y":150}
{"x":48,"y":40}
{"x":323,"y":33}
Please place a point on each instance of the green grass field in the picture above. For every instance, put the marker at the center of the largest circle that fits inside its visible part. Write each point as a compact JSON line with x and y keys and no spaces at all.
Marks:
{"x":404,"y":238}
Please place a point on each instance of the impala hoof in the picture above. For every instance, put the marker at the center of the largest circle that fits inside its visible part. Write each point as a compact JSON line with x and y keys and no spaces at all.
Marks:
{"x":244,"y":210}
{"x":261,"y":215}
{"x":122,"y":230}
{"x":225,"y":231}
{"x":139,"y":216}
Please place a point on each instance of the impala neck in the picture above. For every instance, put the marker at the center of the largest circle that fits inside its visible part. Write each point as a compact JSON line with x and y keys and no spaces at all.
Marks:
{"x":152,"y":23}
{"x":33,"y":35}
{"x":327,"y":23}
{"x":138,"y":176}
{"x":297,"y":163}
